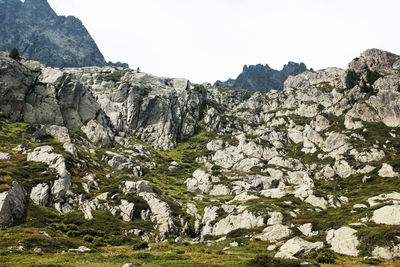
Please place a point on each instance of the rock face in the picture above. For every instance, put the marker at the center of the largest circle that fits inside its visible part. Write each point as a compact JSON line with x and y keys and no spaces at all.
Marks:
{"x":261,"y":78}
{"x":103,"y":102}
{"x":343,"y":241}
{"x":56,"y":41}
{"x":12,"y":205}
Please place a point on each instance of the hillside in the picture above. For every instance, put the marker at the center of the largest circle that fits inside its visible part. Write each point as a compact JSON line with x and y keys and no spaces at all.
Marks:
{"x":111,"y":161}
{"x":259,"y":78}
{"x":40,"y":34}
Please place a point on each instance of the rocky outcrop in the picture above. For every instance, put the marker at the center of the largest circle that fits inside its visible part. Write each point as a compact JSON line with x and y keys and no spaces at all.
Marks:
{"x":161,"y":214}
{"x":375,"y":60}
{"x":263,"y":78}
{"x":55,"y":161}
{"x":103,"y":102}
{"x":12,"y":205}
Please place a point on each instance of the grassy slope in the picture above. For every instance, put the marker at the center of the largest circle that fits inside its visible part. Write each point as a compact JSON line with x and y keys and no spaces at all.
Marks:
{"x":111,"y":248}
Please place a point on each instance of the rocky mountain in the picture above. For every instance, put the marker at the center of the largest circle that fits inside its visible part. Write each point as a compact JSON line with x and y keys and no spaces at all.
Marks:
{"x":259,"y":78}
{"x":92,"y":159}
{"x":39,"y":34}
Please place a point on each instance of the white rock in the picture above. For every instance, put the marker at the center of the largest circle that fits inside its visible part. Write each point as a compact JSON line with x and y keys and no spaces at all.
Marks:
{"x":297,"y":247}
{"x":161,"y":213}
{"x":275,"y":218}
{"x":343,"y":169}
{"x":98,"y":134}
{"x":81,"y":249}
{"x":386,"y":252}
{"x":232,"y":222}
{"x":220,"y":190}
{"x":306,"y":229}
{"x":127,"y":210}
{"x":387,"y":171}
{"x":71,"y":149}
{"x":393,"y":197}
{"x":274,"y":233}
{"x":343,"y":241}
{"x":200,"y":183}
{"x":56,"y":161}
{"x":5,"y":156}
{"x":40,"y":194}
{"x":389,"y":215}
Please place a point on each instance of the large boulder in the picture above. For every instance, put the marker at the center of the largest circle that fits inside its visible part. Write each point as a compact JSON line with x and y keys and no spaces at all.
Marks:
{"x":274,"y":233}
{"x":245,"y":220}
{"x":297,"y":247}
{"x":161,"y":214}
{"x":387,"y":215}
{"x":343,"y":240}
{"x":12,"y":205}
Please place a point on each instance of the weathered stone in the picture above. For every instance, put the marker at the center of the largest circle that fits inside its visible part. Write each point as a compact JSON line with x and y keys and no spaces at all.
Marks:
{"x":274,"y":233}
{"x":127,"y":210}
{"x":5,"y":156}
{"x":343,"y":241}
{"x":12,"y":205}
{"x":40,"y":194}
{"x":389,"y":215}
{"x":81,"y":249}
{"x":297,"y":247}
{"x":387,"y":171}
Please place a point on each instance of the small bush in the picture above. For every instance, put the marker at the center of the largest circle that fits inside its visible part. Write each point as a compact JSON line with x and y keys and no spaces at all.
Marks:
{"x":326,"y":256}
{"x":14,"y":54}
{"x":88,"y":238}
{"x":352,"y":79}
{"x":73,"y":233}
{"x":269,"y":261}
{"x":140,"y":245}
{"x":239,"y":233}
{"x":372,"y":76}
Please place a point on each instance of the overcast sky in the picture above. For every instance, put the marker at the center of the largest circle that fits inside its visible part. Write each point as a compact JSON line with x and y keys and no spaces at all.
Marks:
{"x":206,"y":40}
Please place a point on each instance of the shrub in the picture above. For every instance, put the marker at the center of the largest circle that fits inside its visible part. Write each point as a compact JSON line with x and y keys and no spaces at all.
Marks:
{"x":241,"y":232}
{"x":88,"y":238}
{"x":372,"y":76}
{"x":14,"y":54}
{"x":73,"y":233}
{"x":269,"y":261}
{"x":352,"y":79}
{"x":326,"y":256}
{"x":140,"y":245}
{"x":366,"y":88}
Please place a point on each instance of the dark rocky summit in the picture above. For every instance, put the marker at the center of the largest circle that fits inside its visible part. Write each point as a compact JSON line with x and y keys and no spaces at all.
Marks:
{"x":39,"y":34}
{"x":263,"y":78}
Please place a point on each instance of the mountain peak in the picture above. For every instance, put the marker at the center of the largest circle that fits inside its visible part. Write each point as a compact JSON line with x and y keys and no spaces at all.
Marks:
{"x":375,"y":59}
{"x":55,"y":41}
{"x":263,"y":78}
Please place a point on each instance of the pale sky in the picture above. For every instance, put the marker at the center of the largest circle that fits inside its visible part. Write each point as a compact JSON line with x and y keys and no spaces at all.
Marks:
{"x":209,"y":40}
